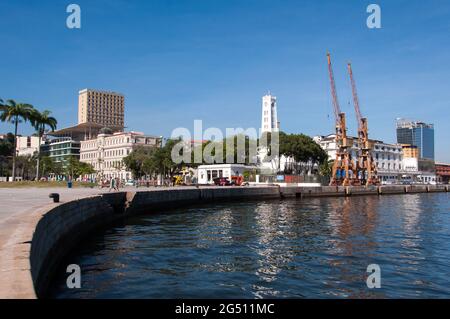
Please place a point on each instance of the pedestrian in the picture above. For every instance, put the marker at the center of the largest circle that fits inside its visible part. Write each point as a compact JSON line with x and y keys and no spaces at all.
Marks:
{"x":117,"y":183}
{"x":112,"y":184}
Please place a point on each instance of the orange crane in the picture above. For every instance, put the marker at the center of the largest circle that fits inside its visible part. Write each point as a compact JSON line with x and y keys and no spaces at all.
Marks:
{"x":343,"y":163}
{"x":366,"y":171}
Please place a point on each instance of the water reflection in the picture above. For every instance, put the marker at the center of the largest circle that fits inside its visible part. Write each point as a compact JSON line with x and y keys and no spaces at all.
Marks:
{"x":275,"y":230}
{"x":289,"y":248}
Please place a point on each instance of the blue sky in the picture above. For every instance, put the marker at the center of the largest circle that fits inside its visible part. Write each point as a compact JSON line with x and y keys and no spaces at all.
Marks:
{"x":176,"y":61}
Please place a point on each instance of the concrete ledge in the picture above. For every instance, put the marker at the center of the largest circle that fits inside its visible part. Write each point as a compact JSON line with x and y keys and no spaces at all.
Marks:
{"x":148,"y":201}
{"x":324,"y":191}
{"x":437,"y":188}
{"x":363,"y":190}
{"x":416,"y":189}
{"x":61,"y":228}
{"x":394,"y":189}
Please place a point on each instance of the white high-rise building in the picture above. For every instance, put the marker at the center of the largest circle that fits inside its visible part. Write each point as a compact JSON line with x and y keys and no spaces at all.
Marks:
{"x":269,"y":117}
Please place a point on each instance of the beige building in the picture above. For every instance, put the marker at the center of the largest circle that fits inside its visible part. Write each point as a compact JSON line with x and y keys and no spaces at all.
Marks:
{"x":104,"y":108}
{"x":410,"y":151}
{"x":106,"y":152}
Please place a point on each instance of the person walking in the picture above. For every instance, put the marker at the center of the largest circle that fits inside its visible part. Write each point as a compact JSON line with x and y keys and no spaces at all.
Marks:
{"x":112,"y":184}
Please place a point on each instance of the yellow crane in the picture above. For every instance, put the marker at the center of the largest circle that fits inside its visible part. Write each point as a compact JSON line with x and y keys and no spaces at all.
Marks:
{"x":343,"y":163}
{"x":366,"y":171}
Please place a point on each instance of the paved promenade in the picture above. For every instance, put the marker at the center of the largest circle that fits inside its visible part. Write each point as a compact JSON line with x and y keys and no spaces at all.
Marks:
{"x":19,"y":200}
{"x":20,"y":210}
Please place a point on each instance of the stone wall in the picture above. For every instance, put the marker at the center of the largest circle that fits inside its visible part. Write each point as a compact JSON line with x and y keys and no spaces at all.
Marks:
{"x":61,"y":228}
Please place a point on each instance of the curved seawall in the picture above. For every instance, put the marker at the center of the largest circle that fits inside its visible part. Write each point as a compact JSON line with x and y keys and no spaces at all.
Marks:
{"x":42,"y":237}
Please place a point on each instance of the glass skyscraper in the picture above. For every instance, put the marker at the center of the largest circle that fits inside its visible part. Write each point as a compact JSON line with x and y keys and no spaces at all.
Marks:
{"x":418,"y":134}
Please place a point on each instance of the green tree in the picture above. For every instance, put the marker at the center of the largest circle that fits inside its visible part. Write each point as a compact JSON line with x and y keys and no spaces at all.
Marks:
{"x":74,"y":168}
{"x":302,"y":148}
{"x":85,"y":169}
{"x":42,"y":120}
{"x":15,"y":113}
{"x":325,"y":168}
{"x":135,"y":160}
{"x":25,"y":166}
{"x":162,"y":159}
{"x":153,"y":161}
{"x":7,"y":145}
{"x":236,"y":141}
{"x":46,"y":165}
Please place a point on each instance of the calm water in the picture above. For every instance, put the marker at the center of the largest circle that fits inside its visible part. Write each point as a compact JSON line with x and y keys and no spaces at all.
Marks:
{"x":310,"y":248}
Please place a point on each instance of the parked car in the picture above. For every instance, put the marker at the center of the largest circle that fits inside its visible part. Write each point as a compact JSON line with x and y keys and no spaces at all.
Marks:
{"x":221,"y":181}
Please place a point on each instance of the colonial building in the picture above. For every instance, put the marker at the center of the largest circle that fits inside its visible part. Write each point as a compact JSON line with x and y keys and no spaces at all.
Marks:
{"x":106,"y":152}
{"x":390,"y":162}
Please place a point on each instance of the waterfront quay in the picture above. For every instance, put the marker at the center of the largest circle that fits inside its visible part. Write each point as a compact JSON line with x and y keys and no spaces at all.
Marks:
{"x":37,"y":233}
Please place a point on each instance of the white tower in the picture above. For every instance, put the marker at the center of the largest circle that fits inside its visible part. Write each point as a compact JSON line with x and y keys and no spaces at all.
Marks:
{"x":269,"y":121}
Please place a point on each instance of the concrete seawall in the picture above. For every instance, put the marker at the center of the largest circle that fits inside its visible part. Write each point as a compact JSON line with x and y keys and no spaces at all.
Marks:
{"x":43,"y":237}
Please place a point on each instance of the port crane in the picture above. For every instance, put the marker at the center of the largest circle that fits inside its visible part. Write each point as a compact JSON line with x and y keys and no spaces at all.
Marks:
{"x":366,"y":171}
{"x":343,"y":163}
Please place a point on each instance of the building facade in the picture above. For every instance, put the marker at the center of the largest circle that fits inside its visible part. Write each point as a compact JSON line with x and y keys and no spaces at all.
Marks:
{"x":100,"y":107}
{"x":61,"y":149}
{"x":106,"y":152}
{"x":28,"y":145}
{"x":418,"y":134}
{"x":269,"y":117}
{"x":388,"y":157}
{"x":410,"y":151}
{"x":443,"y":173}
{"x":207,"y":173}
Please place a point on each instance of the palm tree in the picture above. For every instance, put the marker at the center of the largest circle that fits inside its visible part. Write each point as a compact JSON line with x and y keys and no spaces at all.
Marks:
{"x":15,"y":113}
{"x":40,"y":121}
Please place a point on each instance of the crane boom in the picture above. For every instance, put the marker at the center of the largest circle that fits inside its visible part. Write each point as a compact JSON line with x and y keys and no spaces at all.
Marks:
{"x":365,"y":165}
{"x":355,"y":96}
{"x":343,"y":164}
{"x":336,"y":107}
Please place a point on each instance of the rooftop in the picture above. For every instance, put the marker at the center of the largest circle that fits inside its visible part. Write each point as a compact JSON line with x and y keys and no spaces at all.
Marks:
{"x":404,"y":123}
{"x":99,"y":91}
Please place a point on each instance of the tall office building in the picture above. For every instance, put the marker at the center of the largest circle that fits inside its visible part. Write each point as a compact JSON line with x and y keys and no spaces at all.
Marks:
{"x":269,"y":121}
{"x":418,"y":134}
{"x":99,"y":107}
